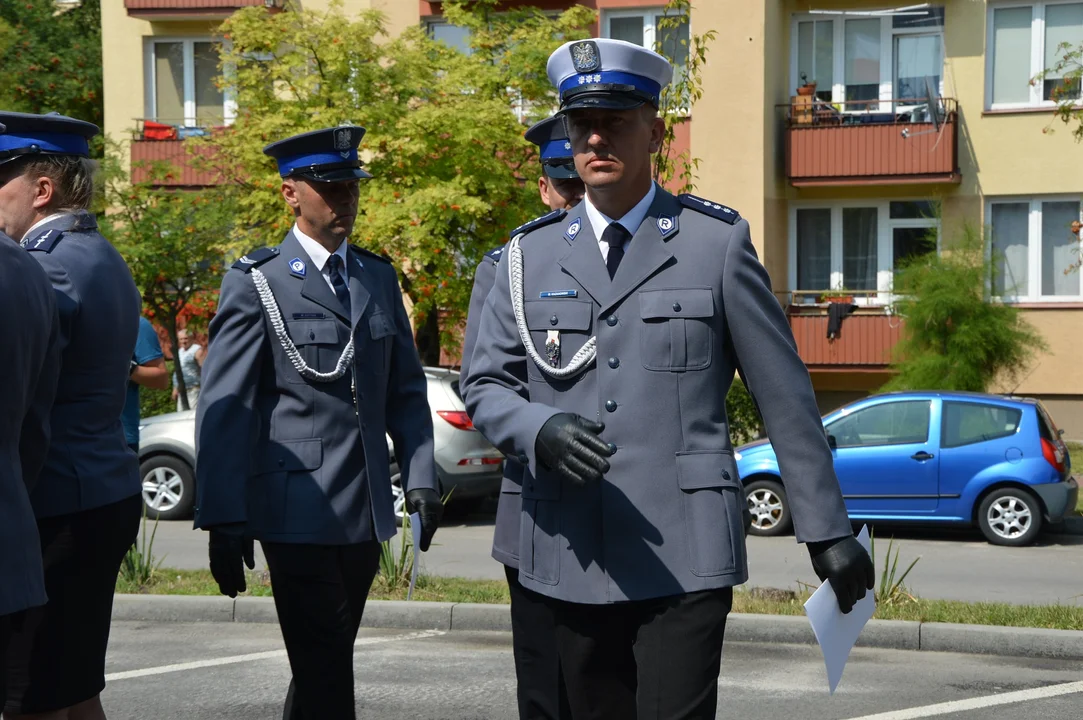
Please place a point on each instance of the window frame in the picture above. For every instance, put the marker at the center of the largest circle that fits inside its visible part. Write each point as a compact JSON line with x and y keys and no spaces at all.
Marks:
{"x":888,"y":33}
{"x":885,"y":225}
{"x":1034,"y":249}
{"x":967,"y":403}
{"x":650,"y":15}
{"x":1037,"y":52}
{"x":928,"y":403}
{"x":229,"y":103}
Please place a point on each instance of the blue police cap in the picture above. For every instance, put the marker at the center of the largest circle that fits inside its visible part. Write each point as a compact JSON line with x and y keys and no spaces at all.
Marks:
{"x":27,"y":134}
{"x":607,"y":74}
{"x":554,"y":147}
{"x":328,"y":155}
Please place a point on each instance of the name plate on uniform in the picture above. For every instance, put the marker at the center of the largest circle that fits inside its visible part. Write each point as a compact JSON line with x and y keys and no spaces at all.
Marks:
{"x":559,"y":294}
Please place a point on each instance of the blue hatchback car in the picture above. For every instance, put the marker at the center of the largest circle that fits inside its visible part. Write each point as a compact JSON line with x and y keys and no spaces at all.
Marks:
{"x":994,"y":461}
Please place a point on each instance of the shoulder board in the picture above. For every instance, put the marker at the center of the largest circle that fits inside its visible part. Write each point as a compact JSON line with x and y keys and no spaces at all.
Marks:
{"x":495,"y":254}
{"x":43,"y":242}
{"x":723,"y":213}
{"x":255,"y":258}
{"x":538,"y":222}
{"x":370,"y":254}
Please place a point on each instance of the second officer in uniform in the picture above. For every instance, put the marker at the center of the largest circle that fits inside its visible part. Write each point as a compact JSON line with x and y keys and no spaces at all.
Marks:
{"x":311,"y":361}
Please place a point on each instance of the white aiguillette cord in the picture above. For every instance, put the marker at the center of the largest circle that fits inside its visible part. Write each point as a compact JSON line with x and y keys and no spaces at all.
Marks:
{"x":580,"y":361}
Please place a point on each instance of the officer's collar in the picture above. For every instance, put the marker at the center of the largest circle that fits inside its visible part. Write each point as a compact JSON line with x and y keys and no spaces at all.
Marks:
{"x":64,"y":220}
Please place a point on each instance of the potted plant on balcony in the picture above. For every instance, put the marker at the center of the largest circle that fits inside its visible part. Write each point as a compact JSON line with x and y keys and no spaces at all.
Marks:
{"x":839,"y":295}
{"x":807,"y":88}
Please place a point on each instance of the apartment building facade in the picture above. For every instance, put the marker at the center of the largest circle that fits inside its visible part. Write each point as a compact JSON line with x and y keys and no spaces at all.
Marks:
{"x":911,"y":109}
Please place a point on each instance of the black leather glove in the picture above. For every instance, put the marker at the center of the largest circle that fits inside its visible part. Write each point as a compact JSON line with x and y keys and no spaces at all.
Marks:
{"x":228,"y":548}
{"x":426,"y":502}
{"x":569,"y":444}
{"x":847,"y":566}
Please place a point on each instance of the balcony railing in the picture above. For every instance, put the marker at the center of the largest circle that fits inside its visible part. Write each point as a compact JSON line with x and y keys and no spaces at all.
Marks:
{"x":871,"y":142}
{"x":192,"y":7}
{"x":162,"y":140}
{"x":863,"y":340}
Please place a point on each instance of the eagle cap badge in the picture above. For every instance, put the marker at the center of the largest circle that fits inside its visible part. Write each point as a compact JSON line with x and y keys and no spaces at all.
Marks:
{"x":585,"y":56}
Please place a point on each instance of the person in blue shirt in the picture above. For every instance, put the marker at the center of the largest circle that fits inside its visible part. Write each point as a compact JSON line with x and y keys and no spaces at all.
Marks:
{"x":148,"y":370}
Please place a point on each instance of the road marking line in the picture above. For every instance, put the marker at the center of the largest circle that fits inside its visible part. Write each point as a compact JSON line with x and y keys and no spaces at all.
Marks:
{"x":977,"y":703}
{"x":196,"y":665}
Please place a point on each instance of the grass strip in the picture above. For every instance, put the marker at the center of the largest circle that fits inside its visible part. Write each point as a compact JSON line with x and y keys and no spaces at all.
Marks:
{"x":765,"y":601}
{"x":1075,"y":450}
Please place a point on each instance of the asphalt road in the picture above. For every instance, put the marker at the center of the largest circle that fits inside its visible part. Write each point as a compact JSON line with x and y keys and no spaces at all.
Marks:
{"x":953,"y":565}
{"x":240,"y":671}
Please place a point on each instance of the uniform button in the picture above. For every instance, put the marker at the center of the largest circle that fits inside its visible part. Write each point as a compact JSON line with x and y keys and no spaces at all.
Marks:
{"x":612,"y":448}
{"x":725,"y":475}
{"x":614,"y":362}
{"x":611,"y":320}
{"x":553,"y":320}
{"x":523,"y":458}
{"x":311,"y":334}
{"x":676,"y":307}
{"x":610,"y":405}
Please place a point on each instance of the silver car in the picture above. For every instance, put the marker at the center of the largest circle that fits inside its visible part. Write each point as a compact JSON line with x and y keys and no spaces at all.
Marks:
{"x":467,"y":465}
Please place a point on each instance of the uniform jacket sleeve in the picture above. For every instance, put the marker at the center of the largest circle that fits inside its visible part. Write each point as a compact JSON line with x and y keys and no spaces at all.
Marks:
{"x":226,"y":417}
{"x":409,"y":418}
{"x":779,"y":380}
{"x":484,"y":277}
{"x":35,"y":434}
{"x":495,"y":389}
{"x":67,"y":295}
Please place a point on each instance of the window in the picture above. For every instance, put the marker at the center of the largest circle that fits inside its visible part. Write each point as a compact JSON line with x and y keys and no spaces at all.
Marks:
{"x":1033,"y":248}
{"x":892,"y":423}
{"x":964,"y":423}
{"x":858,"y":246}
{"x":641,"y":27}
{"x":863,"y":63}
{"x":454,"y":36}
{"x":1023,"y":40}
{"x":182,"y":83}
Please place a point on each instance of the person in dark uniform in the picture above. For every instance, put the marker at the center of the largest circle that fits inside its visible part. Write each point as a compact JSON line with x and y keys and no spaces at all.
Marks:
{"x":540,"y":687}
{"x":311,"y":362}
{"x":87,"y":500}
{"x":29,"y":370}
{"x":603,"y":359}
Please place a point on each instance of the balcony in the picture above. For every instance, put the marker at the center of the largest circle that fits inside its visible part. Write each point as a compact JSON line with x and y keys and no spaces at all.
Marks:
{"x":160,"y":142}
{"x":880,"y":142}
{"x":864,"y":340}
{"x":191,"y":9}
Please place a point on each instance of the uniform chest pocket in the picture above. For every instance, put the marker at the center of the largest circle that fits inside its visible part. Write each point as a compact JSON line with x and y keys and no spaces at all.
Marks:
{"x":559,"y":329}
{"x":676,"y":332}
{"x":381,"y":332}
{"x":318,"y":341}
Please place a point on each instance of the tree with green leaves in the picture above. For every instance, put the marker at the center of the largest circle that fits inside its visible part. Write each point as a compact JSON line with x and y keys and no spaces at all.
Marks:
{"x":173,"y":242}
{"x":52,"y":58}
{"x":444,"y":134}
{"x":954,"y":337}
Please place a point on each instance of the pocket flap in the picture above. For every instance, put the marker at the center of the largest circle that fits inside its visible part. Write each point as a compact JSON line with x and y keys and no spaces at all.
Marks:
{"x":699,"y":469}
{"x":558,"y":314}
{"x":289,"y":456}
{"x":313,"y":332}
{"x":676,"y":303}
{"x":380,"y":326}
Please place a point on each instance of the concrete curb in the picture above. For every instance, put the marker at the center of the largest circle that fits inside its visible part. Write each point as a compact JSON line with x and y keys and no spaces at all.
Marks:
{"x":741,"y":627}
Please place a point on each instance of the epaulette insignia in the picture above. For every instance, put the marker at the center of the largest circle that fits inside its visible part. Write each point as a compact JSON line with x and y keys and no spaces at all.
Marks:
{"x":538,"y":222}
{"x":723,"y":213}
{"x":255,"y":259}
{"x":495,"y":254}
{"x":45,"y":242}
{"x":369,"y":253}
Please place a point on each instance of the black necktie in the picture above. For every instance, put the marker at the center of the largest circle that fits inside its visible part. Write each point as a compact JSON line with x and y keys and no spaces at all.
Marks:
{"x":615,"y":235}
{"x":334,"y":264}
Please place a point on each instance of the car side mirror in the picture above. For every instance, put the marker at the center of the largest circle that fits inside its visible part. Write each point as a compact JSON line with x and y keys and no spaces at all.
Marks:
{"x":831,"y":441}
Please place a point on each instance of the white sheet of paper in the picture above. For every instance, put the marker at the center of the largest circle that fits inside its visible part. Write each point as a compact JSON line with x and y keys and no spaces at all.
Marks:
{"x":836,"y":633}
{"x":415,"y":529}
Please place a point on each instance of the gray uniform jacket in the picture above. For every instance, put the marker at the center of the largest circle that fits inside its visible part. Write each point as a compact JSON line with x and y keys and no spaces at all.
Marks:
{"x":510,"y":504}
{"x":89,"y":463}
{"x":298,"y":460}
{"x":29,"y":368}
{"x":689,"y":299}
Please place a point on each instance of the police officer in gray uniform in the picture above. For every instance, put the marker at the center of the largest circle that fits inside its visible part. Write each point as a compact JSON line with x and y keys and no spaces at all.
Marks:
{"x":604,"y":354}
{"x":29,"y":368}
{"x":88,"y":498}
{"x":311,"y":362}
{"x":540,"y":689}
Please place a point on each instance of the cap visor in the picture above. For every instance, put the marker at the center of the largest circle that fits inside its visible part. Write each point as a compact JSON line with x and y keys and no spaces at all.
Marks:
{"x":338,"y":175}
{"x":588,"y":101}
{"x":561,"y":172}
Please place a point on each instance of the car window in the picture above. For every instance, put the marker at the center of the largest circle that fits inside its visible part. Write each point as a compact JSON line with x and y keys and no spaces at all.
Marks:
{"x":964,"y":423}
{"x":1046,"y":427}
{"x":892,"y":423}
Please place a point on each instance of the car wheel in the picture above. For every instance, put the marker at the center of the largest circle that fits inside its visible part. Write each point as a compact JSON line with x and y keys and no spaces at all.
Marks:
{"x":397,"y":494}
{"x":769,"y":508}
{"x":168,"y":487}
{"x":1010,"y":516}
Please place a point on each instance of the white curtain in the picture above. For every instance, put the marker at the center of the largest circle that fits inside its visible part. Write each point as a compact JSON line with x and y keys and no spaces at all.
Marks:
{"x":1010,"y":238}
